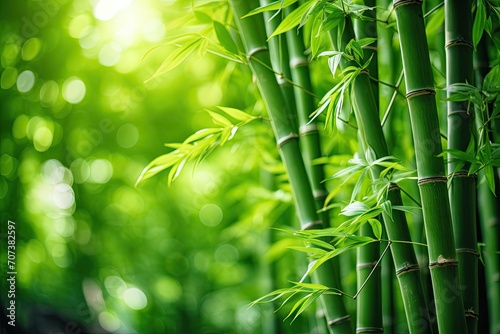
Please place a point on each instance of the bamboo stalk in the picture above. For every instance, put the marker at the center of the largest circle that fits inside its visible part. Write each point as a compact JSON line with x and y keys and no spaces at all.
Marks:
{"x":308,"y":131}
{"x":288,"y":145}
{"x":279,"y":59}
{"x":405,"y":262}
{"x":431,"y":173}
{"x":459,"y":48}
{"x":489,"y":214}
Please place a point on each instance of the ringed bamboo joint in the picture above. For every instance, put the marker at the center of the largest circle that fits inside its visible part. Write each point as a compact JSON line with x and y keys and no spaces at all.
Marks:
{"x":308,"y":128}
{"x":462,"y":173}
{"x":432,"y":179}
{"x":393,"y":186}
{"x":312,"y":225}
{"x":418,"y":92}
{"x":340,"y":320}
{"x":319,"y":194}
{"x":460,"y":112}
{"x":254,"y":51}
{"x":468,"y":250}
{"x":407,"y":268}
{"x":366,"y":265}
{"x":443,"y":262}
{"x":459,"y":42}
{"x":281,"y":141}
{"x":298,"y":62}
{"x":369,"y":330}
{"x":406,"y":2}
{"x":471,"y":314}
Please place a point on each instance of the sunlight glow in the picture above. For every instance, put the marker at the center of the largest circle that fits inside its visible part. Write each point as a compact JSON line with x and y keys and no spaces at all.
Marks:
{"x":107,"y":9}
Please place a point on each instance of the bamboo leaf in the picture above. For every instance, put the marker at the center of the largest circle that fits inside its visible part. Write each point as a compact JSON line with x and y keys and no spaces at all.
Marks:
{"x":376,"y":228}
{"x":387,"y":207}
{"x":491,"y":82}
{"x":225,"y":38}
{"x":479,"y":22}
{"x":201,"y":134}
{"x":219,"y":119}
{"x":237,"y":114}
{"x":276,"y":5}
{"x":365,"y":41}
{"x":175,"y":58}
{"x":334,"y":62}
{"x":355,"y":209}
{"x":335,"y":18}
{"x":435,"y":22}
{"x":293,"y":19}
{"x":175,"y":171}
{"x":157,"y":165}
{"x":490,"y":177}
{"x":312,"y":251}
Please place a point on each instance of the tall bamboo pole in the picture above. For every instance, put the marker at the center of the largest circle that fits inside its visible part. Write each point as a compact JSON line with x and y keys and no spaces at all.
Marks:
{"x":459,"y":48}
{"x":431,"y":173}
{"x":489,"y":214}
{"x":405,"y":262}
{"x":287,"y":141}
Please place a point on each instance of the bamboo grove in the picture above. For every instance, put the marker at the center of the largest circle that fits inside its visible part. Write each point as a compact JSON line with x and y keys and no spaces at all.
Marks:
{"x":385,"y":117}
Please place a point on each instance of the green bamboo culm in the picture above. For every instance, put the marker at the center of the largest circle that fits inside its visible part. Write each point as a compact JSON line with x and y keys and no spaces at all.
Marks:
{"x":404,"y":258}
{"x":279,"y":59}
{"x":459,"y":69}
{"x":308,"y":130}
{"x":369,"y":301}
{"x":251,"y":30}
{"x":432,"y":181}
{"x":489,"y":213}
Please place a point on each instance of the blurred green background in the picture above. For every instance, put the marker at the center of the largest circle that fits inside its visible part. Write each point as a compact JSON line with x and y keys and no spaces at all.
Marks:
{"x":78,"y":124}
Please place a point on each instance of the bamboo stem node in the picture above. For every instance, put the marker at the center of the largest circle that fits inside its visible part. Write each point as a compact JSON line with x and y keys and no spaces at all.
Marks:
{"x":254,"y":51}
{"x":369,"y":330}
{"x":471,"y":314}
{"x":468,"y":250}
{"x":418,"y":92}
{"x":462,"y":173}
{"x":339,"y":320}
{"x":280,"y":142}
{"x":298,"y":62}
{"x":308,"y":128}
{"x":443,"y":262}
{"x":312,"y":225}
{"x":407,"y":269}
{"x":460,"y":112}
{"x":319,"y":194}
{"x":432,"y":179}
{"x":366,"y":265}
{"x":396,"y":4}
{"x":393,"y":186}
{"x":459,"y":42}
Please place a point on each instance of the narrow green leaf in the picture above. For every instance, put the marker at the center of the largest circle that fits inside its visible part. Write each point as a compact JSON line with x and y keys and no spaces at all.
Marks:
{"x":293,"y":19}
{"x":355,"y":209}
{"x":157,"y":165}
{"x":479,"y":22}
{"x":365,"y":41}
{"x":202,"y":134}
{"x":491,"y":82}
{"x":175,"y":58}
{"x":276,"y":5}
{"x":237,"y":114}
{"x":225,"y":38}
{"x":376,"y":227}
{"x":435,"y":22}
{"x":219,"y":119}
{"x":490,"y":177}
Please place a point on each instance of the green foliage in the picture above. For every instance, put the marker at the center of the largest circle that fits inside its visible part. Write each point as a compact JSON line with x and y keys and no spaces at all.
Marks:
{"x":199,"y":145}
